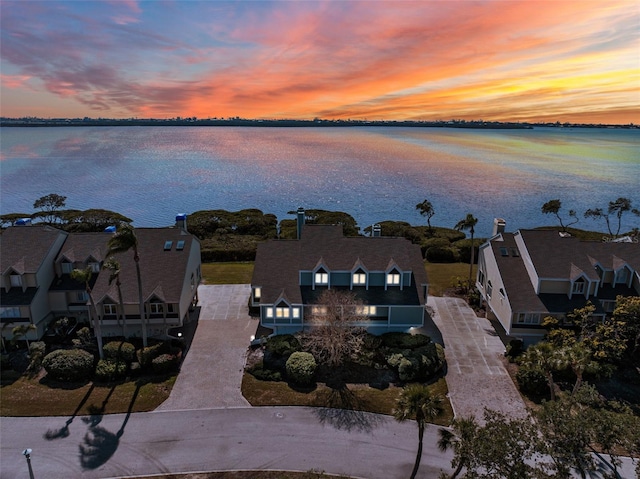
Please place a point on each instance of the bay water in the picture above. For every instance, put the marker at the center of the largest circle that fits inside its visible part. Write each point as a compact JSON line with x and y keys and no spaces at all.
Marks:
{"x":373,"y":173}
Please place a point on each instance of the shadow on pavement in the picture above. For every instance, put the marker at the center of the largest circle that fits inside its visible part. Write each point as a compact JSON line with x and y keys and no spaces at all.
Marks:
{"x":341,"y":412}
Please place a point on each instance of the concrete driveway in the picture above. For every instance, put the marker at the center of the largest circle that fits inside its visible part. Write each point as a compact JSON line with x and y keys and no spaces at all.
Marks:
{"x":211,"y":372}
{"x":476,"y":376}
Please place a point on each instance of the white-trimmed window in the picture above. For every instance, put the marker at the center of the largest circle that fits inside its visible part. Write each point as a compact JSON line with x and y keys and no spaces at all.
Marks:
{"x":12,"y":312}
{"x":322,"y":277}
{"x":622,"y":276}
{"x":109,"y":309}
{"x":295,"y":313}
{"x":82,"y":296}
{"x":578,"y":287}
{"x":257,"y":293}
{"x":16,"y":281}
{"x":67,"y":267}
{"x":282,"y":312}
{"x":95,"y":267}
{"x":393,"y":279}
{"x":528,"y":318}
{"x":156,"y":308}
{"x":268,"y":312}
{"x":489,"y":288}
{"x":481,"y":277}
{"x":359,"y":278}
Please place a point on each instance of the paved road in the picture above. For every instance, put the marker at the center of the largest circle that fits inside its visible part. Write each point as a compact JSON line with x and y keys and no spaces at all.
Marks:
{"x":211,"y":373}
{"x":356,"y":444}
{"x":476,"y":376}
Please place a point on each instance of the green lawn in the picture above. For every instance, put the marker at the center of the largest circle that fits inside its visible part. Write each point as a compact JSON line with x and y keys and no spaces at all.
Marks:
{"x":33,"y":397}
{"x":227,"y":273}
{"x":441,"y":274}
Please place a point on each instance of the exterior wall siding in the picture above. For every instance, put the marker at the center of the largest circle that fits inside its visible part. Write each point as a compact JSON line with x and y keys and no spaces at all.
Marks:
{"x":555,"y":286}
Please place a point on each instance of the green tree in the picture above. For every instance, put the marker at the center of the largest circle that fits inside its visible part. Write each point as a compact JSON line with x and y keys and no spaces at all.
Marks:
{"x":580,"y":359}
{"x":123,"y":240}
{"x":84,"y":276}
{"x":21,"y":331}
{"x":10,"y":218}
{"x":469,"y":223}
{"x":616,"y":209}
{"x":553,"y":207}
{"x":426,"y":209}
{"x":416,"y":401}
{"x":627,"y":315}
{"x":113,"y":266}
{"x":547,"y":358}
{"x":49,"y":206}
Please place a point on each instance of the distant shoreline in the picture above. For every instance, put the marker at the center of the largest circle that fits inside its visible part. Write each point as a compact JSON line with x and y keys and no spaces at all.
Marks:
{"x":58,"y":122}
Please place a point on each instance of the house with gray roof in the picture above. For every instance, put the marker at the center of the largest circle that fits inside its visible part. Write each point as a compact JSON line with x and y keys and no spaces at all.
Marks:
{"x":528,"y":275}
{"x":37,"y":287}
{"x":386,"y":274}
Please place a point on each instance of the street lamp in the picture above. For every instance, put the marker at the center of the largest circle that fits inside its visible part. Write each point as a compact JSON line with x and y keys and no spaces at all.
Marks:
{"x":27,"y":454}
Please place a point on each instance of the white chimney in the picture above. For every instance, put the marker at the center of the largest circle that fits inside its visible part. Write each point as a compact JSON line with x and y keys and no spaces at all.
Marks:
{"x":498,"y":226}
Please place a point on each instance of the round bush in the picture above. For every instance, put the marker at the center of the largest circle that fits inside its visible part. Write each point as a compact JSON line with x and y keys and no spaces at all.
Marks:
{"x":119,"y":350}
{"x":532,"y":381}
{"x":301,"y":367}
{"x":108,"y":370}
{"x":69,"y":364}
{"x":165,"y":363}
{"x":147,"y":355}
{"x":283,"y":344}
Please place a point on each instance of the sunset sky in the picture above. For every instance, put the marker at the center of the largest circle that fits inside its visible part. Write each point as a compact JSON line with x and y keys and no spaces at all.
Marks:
{"x":509,"y":60}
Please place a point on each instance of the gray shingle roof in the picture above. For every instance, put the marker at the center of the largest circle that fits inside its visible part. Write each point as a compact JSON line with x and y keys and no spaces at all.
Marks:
{"x":278,"y":262}
{"x":24,"y":248}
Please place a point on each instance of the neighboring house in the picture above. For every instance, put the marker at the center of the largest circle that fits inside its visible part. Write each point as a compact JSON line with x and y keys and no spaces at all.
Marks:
{"x":27,"y":265}
{"x":528,"y":275}
{"x":386,"y":274}
{"x":37,"y":287}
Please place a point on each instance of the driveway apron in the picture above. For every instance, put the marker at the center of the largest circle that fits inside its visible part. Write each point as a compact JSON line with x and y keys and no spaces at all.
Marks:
{"x":476,"y":376}
{"x":211,"y":372}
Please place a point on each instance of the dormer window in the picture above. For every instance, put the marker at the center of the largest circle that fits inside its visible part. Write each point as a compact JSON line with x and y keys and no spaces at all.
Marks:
{"x":578,"y":286}
{"x":322,"y":277}
{"x":622,"y":276}
{"x":67,"y":267}
{"x":393,"y":279}
{"x":359,"y":278}
{"x":95,"y":267}
{"x":16,"y":281}
{"x":109,"y":309}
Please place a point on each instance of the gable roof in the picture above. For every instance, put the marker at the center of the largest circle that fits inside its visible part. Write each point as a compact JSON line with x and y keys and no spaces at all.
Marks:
{"x":279,"y":262}
{"x":162,"y":271}
{"x":82,"y":247}
{"x":24,"y":248}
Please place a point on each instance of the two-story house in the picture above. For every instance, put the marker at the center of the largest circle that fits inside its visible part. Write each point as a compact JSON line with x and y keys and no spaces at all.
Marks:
{"x":27,"y":267}
{"x":386,"y":274}
{"x":37,"y":287}
{"x":528,"y":275}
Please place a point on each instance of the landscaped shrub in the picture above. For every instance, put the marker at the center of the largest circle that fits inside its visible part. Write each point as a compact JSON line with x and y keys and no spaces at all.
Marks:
{"x":69,"y":364}
{"x":301,"y":367}
{"x":85,"y":340}
{"x":36,"y":355}
{"x":398,"y":340}
{"x":283,"y":344}
{"x":119,"y":350}
{"x":532,"y":381}
{"x":148,"y":354}
{"x":264,"y":374}
{"x":110,"y":370}
{"x":417,"y":364}
{"x":165,"y":363}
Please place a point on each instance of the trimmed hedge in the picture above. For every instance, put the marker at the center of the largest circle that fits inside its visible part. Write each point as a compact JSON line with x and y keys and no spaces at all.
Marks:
{"x":264,"y":374}
{"x":165,"y":363}
{"x":148,"y":354}
{"x":301,"y":368}
{"x":283,"y":344}
{"x":69,"y":364}
{"x":109,"y":370}
{"x":119,"y":350}
{"x":418,"y":364}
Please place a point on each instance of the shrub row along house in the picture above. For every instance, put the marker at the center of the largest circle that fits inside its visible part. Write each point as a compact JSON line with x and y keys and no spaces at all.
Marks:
{"x":37,"y":286}
{"x":528,"y":275}
{"x":386,"y":274}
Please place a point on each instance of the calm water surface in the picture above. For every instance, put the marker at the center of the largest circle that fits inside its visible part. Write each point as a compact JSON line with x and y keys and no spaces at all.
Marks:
{"x":373,"y":173}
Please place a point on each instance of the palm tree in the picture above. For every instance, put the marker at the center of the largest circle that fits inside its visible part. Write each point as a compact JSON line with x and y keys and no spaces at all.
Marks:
{"x":123,"y":240}
{"x":547,"y":358}
{"x":580,"y":361}
{"x":426,"y":209}
{"x":84,"y":276}
{"x":469,"y":223}
{"x":460,"y":439}
{"x":114,"y":275}
{"x":22,"y":330}
{"x":416,"y":401}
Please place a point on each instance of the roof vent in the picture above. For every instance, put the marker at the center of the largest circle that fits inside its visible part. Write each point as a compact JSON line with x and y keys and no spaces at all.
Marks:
{"x":300,"y":222}
{"x":181,"y":221}
{"x":377,"y":230}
